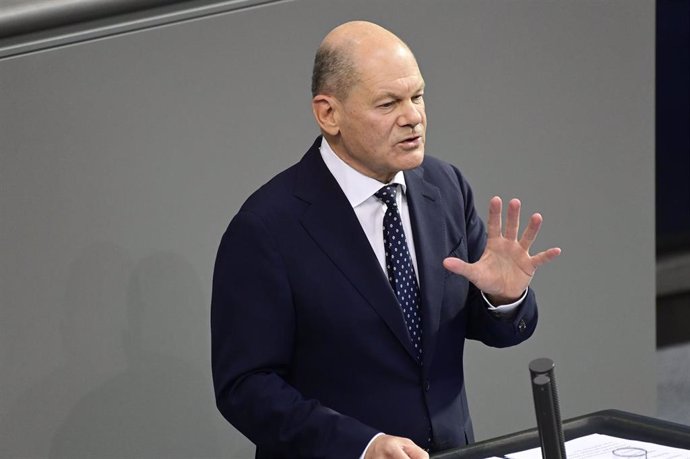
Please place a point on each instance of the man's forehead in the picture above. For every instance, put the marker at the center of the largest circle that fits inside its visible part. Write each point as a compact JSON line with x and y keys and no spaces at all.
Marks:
{"x":390,"y":81}
{"x":393,"y":88}
{"x":379,"y":63}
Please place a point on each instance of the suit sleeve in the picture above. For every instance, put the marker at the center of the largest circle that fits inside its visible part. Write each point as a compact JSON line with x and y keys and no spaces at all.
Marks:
{"x":252,"y":329}
{"x":483,"y":325}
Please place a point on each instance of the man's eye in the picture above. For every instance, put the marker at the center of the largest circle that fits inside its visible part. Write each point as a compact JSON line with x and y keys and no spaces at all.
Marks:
{"x":386,"y":104}
{"x":418,"y":98}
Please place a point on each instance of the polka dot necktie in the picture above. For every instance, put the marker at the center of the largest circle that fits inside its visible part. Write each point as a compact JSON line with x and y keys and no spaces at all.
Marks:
{"x":399,"y":265}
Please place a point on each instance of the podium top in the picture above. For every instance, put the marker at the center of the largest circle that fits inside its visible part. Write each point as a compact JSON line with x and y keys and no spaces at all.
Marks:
{"x":610,"y":422}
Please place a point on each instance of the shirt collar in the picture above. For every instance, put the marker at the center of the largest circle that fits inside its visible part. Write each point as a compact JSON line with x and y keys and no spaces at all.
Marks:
{"x":356,"y":186}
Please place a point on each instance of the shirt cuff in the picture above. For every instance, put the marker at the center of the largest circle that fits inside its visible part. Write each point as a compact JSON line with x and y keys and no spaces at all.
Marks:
{"x":505,"y":309}
{"x":364,"y":453}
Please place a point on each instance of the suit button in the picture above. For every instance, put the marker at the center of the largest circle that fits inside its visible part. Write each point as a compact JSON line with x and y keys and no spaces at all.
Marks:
{"x":522,"y":326}
{"x":427,"y":385}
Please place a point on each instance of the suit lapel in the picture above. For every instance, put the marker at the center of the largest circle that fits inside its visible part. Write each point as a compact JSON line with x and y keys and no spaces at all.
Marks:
{"x":426,"y":214}
{"x":333,"y":225}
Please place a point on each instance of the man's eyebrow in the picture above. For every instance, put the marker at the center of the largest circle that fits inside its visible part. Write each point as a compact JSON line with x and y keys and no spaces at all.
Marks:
{"x":387,"y":95}
{"x":394,"y":95}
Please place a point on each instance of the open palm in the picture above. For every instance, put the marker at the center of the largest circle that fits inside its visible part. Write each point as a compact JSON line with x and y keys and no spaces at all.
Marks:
{"x":506,"y":268}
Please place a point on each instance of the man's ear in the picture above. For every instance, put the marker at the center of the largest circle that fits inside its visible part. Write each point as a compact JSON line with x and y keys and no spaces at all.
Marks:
{"x":325,"y":111}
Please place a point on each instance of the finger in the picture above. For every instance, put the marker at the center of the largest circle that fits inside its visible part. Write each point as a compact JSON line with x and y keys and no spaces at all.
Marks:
{"x":513,"y":219}
{"x":398,"y":453}
{"x":415,"y":452}
{"x":494,"y":222}
{"x":395,"y":451}
{"x":531,"y":231}
{"x":545,"y":256}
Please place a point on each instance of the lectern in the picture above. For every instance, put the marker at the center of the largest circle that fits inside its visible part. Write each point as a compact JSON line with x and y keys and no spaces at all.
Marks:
{"x":609,"y":422}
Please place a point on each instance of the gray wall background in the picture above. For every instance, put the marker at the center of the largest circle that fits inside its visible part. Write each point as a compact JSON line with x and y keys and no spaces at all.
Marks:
{"x":123,"y":159}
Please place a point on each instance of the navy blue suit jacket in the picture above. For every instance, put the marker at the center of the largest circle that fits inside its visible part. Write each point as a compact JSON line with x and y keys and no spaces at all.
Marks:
{"x":310,"y":353}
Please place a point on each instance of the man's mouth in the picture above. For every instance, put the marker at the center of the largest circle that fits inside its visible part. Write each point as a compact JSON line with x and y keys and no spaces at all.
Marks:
{"x":413,"y":141}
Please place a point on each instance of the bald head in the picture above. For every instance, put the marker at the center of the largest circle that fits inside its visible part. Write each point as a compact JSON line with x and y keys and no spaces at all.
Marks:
{"x":342,"y":52}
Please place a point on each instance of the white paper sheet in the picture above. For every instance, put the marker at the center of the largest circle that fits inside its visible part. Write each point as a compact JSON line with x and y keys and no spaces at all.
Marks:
{"x":598,"y":446}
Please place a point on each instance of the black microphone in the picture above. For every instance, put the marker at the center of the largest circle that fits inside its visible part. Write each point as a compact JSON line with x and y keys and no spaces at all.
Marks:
{"x":546,"y":408}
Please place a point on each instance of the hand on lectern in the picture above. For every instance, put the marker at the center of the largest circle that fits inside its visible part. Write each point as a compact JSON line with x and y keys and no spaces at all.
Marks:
{"x":390,"y":447}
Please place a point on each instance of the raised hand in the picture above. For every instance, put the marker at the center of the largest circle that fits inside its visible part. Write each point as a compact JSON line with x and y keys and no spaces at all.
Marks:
{"x":506,"y":268}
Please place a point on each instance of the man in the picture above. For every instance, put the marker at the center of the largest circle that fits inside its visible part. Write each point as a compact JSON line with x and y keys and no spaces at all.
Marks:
{"x":345,"y":287}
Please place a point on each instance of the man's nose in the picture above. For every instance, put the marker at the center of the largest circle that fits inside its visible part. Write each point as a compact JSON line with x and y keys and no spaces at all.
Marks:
{"x":411,"y":114}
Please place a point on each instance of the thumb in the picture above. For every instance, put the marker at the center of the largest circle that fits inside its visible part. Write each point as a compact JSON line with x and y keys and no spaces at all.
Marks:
{"x":462,"y":268}
{"x":458,"y":266}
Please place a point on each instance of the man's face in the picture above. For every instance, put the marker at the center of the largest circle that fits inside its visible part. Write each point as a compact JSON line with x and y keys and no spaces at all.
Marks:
{"x":382,"y":122}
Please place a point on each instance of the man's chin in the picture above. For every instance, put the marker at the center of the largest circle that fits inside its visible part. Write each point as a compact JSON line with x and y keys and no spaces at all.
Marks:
{"x":413,"y":158}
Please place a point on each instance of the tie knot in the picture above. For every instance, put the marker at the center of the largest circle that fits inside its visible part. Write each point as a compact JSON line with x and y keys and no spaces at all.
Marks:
{"x":387,"y":194}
